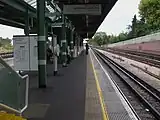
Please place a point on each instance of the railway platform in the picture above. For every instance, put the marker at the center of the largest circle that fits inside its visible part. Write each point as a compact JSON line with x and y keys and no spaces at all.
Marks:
{"x":81,"y":91}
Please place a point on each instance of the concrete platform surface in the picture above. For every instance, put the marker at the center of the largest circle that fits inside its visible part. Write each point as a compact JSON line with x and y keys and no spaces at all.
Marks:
{"x":64,"y":98}
{"x":74,"y":94}
{"x":93,"y":110}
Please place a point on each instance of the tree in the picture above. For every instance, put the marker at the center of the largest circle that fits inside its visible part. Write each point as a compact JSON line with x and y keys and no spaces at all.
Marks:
{"x":4,"y":41}
{"x":150,"y":11}
{"x":113,"y":39}
{"x":92,"y":41}
{"x":134,"y":26}
{"x":142,"y":28}
{"x":5,"y":45}
{"x":122,"y":36}
{"x":137,"y":28}
{"x":100,"y":38}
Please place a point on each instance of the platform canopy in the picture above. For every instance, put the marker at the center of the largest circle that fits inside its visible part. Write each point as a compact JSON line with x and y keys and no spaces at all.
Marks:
{"x":85,"y":15}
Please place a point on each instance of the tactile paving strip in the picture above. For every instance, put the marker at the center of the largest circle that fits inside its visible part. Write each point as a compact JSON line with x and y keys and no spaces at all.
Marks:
{"x":92,"y":103}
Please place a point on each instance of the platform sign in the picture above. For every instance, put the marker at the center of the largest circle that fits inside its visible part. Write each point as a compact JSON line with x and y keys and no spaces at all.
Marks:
{"x":82,"y":9}
{"x":25,"y":53}
{"x":21,"y":52}
{"x":59,"y":25}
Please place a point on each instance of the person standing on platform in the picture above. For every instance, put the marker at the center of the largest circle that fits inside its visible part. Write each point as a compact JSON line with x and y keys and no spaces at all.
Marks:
{"x":57,"y":51}
{"x":87,"y":47}
{"x":49,"y":55}
{"x":68,"y":55}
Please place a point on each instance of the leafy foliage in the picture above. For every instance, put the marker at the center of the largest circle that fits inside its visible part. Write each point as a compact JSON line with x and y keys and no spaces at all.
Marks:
{"x":100,"y":38}
{"x":150,"y":11}
{"x":5,"y":45}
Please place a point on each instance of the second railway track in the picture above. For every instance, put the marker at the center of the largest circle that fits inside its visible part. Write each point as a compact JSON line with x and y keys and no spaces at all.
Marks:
{"x":147,"y":58}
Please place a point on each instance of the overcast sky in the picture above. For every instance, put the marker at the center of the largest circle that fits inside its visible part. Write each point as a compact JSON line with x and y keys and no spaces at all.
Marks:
{"x":120,"y":16}
{"x":117,"y":20}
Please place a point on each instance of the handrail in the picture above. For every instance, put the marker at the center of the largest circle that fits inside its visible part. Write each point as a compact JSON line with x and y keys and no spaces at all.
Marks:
{"x":18,"y":88}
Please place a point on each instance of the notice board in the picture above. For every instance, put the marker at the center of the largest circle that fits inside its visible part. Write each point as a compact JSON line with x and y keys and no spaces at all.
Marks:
{"x":21,"y":52}
{"x":25,"y":53}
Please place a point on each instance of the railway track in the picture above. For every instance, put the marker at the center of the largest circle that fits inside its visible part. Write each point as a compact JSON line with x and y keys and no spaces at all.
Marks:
{"x":140,"y":53}
{"x":146,"y":94}
{"x":147,"y":58}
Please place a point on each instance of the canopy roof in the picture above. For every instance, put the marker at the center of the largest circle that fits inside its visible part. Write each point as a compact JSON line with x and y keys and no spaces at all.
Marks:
{"x":13,"y":12}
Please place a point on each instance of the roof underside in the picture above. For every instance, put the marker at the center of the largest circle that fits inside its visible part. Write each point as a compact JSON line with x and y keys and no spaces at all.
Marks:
{"x":12,"y":13}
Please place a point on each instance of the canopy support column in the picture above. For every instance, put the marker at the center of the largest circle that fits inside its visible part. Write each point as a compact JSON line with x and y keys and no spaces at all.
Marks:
{"x":41,"y":43}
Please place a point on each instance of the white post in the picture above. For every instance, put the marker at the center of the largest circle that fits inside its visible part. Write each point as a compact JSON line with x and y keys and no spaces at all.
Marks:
{"x":56,"y":53}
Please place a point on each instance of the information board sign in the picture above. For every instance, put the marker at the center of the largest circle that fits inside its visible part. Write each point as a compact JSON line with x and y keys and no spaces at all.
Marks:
{"x":25,"y":53}
{"x":21,"y":52}
{"x":86,"y":9}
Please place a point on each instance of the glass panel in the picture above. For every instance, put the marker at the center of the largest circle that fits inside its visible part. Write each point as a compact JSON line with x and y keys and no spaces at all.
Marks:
{"x":33,"y":3}
{"x":12,"y":88}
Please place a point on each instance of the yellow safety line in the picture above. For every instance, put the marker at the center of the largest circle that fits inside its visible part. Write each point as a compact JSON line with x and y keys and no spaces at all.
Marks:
{"x":103,"y":106}
{"x":8,"y":116}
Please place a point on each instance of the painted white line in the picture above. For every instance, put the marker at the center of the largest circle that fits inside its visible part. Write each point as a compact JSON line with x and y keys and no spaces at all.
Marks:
{"x":123,"y":100}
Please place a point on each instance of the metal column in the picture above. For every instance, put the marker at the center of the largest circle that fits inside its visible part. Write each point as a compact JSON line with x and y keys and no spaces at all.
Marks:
{"x":76,"y":46}
{"x":64,"y":43}
{"x":26,"y":29}
{"x":41,"y":43}
{"x":78,"y":39}
{"x":71,"y":43}
{"x":46,"y":33}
